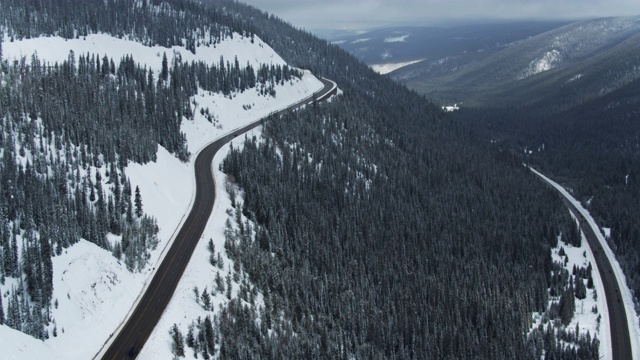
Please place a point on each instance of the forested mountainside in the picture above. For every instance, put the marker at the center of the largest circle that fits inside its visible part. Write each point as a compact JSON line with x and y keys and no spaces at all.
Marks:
{"x":68,"y":130}
{"x":566,"y":101}
{"x":578,"y":124}
{"x":380,"y":226}
{"x":593,"y":150}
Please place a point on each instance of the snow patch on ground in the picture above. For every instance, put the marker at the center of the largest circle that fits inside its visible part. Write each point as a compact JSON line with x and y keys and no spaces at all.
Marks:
{"x":93,"y":290}
{"x":574,"y":78}
{"x":56,"y":49}
{"x":19,"y":346}
{"x":401,"y":38}
{"x":360,"y":40}
{"x":387,"y":68}
{"x":451,"y":108}
{"x":546,"y":62}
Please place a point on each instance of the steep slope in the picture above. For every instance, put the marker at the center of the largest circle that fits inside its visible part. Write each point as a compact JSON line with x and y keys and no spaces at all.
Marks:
{"x":90,"y":285}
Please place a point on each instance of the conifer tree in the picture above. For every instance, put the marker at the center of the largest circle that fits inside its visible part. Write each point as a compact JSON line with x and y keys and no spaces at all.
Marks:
{"x":138,"y":203}
{"x":567,"y":304}
{"x":191,"y":340}
{"x":206,"y":299}
{"x":1,"y":311}
{"x":164,"y":73}
{"x":178,"y":341}
{"x":580,"y":289}
{"x":209,"y":335}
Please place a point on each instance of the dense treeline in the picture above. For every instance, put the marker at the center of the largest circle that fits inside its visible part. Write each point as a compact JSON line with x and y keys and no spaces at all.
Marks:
{"x":364,"y":237}
{"x":368,"y":216}
{"x":50,"y":199}
{"x":152,"y":22}
{"x":67,"y":130}
{"x":89,"y":101}
{"x":592,"y":149}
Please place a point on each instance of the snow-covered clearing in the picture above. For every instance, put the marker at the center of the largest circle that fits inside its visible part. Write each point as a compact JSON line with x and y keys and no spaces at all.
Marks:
{"x":574,"y":78}
{"x":632,"y":317}
{"x":401,"y":38}
{"x":451,"y":108}
{"x":94,"y":290}
{"x":546,"y":62}
{"x":387,"y":68}
{"x":584,"y":317}
{"x":356,"y":41}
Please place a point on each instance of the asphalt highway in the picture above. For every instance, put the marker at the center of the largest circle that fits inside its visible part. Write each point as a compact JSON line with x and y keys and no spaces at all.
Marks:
{"x":137,"y":329}
{"x":620,"y":339}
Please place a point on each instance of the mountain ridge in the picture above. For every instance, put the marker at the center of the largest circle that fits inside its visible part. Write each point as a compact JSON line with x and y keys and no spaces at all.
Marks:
{"x":555,"y":56}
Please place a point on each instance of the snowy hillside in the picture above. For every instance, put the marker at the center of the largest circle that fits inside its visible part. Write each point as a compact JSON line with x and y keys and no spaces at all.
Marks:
{"x":56,"y":49}
{"x":93,"y":290}
{"x":545,"y":63}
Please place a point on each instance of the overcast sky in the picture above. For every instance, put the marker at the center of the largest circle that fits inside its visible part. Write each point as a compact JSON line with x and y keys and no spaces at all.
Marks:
{"x":365,"y":14}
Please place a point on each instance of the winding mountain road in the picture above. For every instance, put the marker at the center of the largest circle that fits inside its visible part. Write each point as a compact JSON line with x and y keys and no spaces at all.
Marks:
{"x":619,"y":327}
{"x":137,"y":329}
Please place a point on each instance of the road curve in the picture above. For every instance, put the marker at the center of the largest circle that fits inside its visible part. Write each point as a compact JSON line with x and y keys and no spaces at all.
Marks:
{"x":619,"y":327}
{"x":145,"y":317}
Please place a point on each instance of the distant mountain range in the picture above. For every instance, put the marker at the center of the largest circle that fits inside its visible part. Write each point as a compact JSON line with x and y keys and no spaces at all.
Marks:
{"x":508,"y":64}
{"x":404,"y":44}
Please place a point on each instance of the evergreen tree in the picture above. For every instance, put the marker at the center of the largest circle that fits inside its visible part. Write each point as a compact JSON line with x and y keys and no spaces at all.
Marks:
{"x":191,"y":341}
{"x":209,"y":335}
{"x":580,"y":289}
{"x":567,"y":304}
{"x":177,"y":346}
{"x":589,"y":281}
{"x":138,"y":203}
{"x":206,"y":299}
{"x":1,"y":311}
{"x":164,"y":72}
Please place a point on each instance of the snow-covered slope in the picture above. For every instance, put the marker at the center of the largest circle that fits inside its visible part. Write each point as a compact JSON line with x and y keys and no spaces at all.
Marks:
{"x":387,"y":68}
{"x":94,"y":290}
{"x":56,"y":49}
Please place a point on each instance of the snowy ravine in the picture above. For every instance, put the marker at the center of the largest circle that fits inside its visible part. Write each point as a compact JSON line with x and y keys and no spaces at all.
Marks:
{"x":575,"y":256}
{"x":94,"y":291}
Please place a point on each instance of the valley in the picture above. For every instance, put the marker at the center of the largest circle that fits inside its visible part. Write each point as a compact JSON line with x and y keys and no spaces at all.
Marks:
{"x":562,"y":100}
{"x":180,"y":179}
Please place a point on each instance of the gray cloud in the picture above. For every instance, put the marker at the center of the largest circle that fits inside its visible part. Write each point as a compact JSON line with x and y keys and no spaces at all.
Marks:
{"x":362,"y":14}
